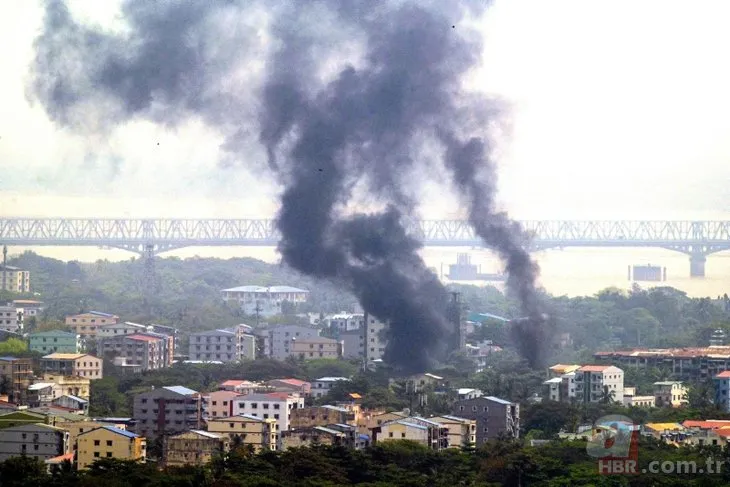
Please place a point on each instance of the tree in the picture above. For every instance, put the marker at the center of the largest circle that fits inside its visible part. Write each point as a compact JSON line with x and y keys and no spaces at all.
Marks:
{"x":13,"y":346}
{"x":607,"y":395}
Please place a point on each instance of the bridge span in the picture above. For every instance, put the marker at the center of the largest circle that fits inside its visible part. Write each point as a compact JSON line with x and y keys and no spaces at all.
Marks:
{"x":155,"y":235}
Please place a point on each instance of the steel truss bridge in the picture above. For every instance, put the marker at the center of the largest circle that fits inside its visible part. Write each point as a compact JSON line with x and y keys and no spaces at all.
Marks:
{"x":153,"y":236}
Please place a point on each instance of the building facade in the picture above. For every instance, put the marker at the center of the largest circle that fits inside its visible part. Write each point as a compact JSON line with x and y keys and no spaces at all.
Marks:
{"x":87,"y":324}
{"x":167,"y":410}
{"x":275,"y":405}
{"x":148,"y":351}
{"x":670,"y":394}
{"x":290,"y":385}
{"x":17,"y":373}
{"x":223,"y":345}
{"x":194,"y":447}
{"x":494,"y":417}
{"x":116,"y":329}
{"x":264,"y":301}
{"x":316,"y":348}
{"x":78,"y":364}
{"x":247,"y":430}
{"x":694,"y":364}
{"x":9,"y":319}
{"x":462,"y":432}
{"x":33,"y":440}
{"x":14,"y":279}
{"x":317,"y":435}
{"x":375,"y":339}
{"x":426,"y":432}
{"x":279,"y":339}
{"x":60,"y":341}
{"x":599,"y":383}
{"x":72,"y":385}
{"x":218,"y":404}
{"x":320,"y":416}
{"x":321,"y":387}
{"x":109,"y":442}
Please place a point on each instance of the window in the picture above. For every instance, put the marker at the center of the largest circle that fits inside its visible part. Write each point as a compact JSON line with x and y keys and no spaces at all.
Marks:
{"x":265,"y":405}
{"x":390,"y":435}
{"x":97,"y":442}
{"x":474,"y":409}
{"x":276,"y":416}
{"x":108,"y":443}
{"x":254,"y":405}
{"x":214,"y":403}
{"x":276,"y":406}
{"x":402,"y":435}
{"x":35,"y":447}
{"x":461,"y":408}
{"x":230,"y":425}
{"x":96,"y":454}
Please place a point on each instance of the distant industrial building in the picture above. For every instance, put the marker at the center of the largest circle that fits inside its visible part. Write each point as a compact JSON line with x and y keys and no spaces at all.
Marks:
{"x":264,"y":301}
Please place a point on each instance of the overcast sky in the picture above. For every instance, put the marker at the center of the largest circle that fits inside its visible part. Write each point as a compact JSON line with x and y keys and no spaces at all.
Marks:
{"x":618,"y":110}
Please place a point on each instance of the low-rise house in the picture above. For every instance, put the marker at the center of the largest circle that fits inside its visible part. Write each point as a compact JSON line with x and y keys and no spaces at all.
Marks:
{"x":34,"y":440}
{"x":559,"y":370}
{"x":71,"y":385}
{"x":428,"y":433}
{"x":317,"y":435}
{"x":276,"y":405}
{"x":87,"y":324}
{"x":423,"y":381}
{"x":495,"y":417}
{"x":218,"y":404}
{"x":244,"y":430}
{"x":60,"y":341}
{"x":78,"y":364}
{"x":670,"y":394}
{"x":461,"y":431}
{"x":167,"y":410}
{"x":194,"y":447}
{"x":467,"y":393}
{"x":320,"y":416}
{"x":639,"y":401}
{"x":76,"y":404}
{"x":242,"y":387}
{"x":316,"y":348}
{"x":17,"y":374}
{"x":290,"y":385}
{"x":41,"y":393}
{"x":109,"y":442}
{"x":322,"y":386}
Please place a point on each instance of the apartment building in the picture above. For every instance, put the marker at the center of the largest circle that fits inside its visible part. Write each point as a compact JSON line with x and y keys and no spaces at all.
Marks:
{"x":280,"y":338}
{"x":468,"y":393}
{"x":290,"y":385}
{"x":167,"y":410}
{"x":242,"y":387}
{"x":149,"y":351}
{"x":343,"y":322}
{"x":218,"y":404}
{"x":79,"y":364}
{"x":370,"y":419}
{"x":316,"y":348}
{"x":494,"y":417}
{"x":14,"y":279}
{"x":599,"y":383}
{"x":116,"y":329}
{"x":87,"y":324}
{"x":72,"y":403}
{"x":461,"y":432}
{"x":52,"y":341}
{"x":9,"y":319}
{"x":670,"y":394}
{"x":428,"y":433}
{"x":34,"y":440}
{"x":109,"y":442}
{"x":321,"y":387}
{"x":320,"y":416}
{"x":276,"y":405}
{"x":353,"y":343}
{"x":194,"y":447}
{"x":17,"y":373}
{"x":245,"y":429}
{"x":375,"y":339}
{"x":693,"y":364}
{"x":72,"y":385}
{"x":42,"y":393}
{"x":75,"y":428}
{"x":264,"y":301}
{"x":316,"y":435}
{"x":223,"y":345}
{"x":722,"y":390}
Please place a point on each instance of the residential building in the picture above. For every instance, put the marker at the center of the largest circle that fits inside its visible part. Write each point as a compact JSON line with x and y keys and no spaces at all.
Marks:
{"x":72,"y":385}
{"x":670,"y":394}
{"x":42,"y":393}
{"x":634,"y":400}
{"x":225,"y":345}
{"x":320,"y":416}
{"x":420,"y":382}
{"x":290,"y":385}
{"x":109,"y":442}
{"x":343,"y":322}
{"x":371,"y":419}
{"x":14,"y":279}
{"x":75,"y":428}
{"x":276,"y":405}
{"x":60,"y":341}
{"x":428,"y":433}
{"x":316,"y":435}
{"x":87,"y":324}
{"x":468,"y":393}
{"x":353,"y":439}
{"x":57,"y":414}
{"x":495,"y":417}
{"x":722,"y":390}
{"x":28,"y":307}
{"x":35,"y":440}
{"x":599,"y":383}
{"x":264,"y":301}
{"x":218,"y":404}
{"x":76,"y":404}
{"x":9,"y":319}
{"x":280,"y":338}
{"x":694,"y":364}
{"x":21,"y":417}
{"x":116,"y":329}
{"x":79,"y":364}
{"x":17,"y":374}
{"x":462,"y":432}
{"x":149,"y":351}
{"x":561,"y":388}
{"x":353,"y":343}
{"x":322,"y":386}
{"x":245,"y":429}
{"x":194,"y":447}
{"x":167,"y":410}
{"x":242,"y":387}
{"x":316,"y":348}
{"x":559,"y":370}
{"x":479,"y":353}
{"x":375,"y":339}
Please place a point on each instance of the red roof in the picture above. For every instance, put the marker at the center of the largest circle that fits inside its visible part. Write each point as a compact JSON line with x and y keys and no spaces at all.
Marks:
{"x":234,"y":383}
{"x":723,"y":375}
{"x":61,"y":458}
{"x":278,"y":395}
{"x":144,"y":338}
{"x":224,"y":393}
{"x":710,"y":424}
{"x":293,"y":382}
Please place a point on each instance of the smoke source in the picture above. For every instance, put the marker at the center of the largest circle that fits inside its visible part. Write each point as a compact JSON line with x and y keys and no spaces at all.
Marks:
{"x":350,"y":92}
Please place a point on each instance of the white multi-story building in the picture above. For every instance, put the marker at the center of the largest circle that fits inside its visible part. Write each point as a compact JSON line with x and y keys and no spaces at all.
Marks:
{"x":346,"y":321}
{"x":321,"y":387}
{"x":224,"y":345}
{"x":276,"y":405}
{"x":374,"y":338}
{"x":9,"y":319}
{"x":118,"y":329}
{"x":599,"y":383}
{"x":279,"y":339}
{"x":264,"y":301}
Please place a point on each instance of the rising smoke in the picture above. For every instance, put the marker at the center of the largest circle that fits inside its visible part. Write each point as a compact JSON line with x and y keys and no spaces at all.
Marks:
{"x":326,"y":126}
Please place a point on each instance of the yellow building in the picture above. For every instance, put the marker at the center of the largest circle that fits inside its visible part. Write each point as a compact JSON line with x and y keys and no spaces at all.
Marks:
{"x":194,"y":447}
{"x":462,"y":432}
{"x":71,"y":385}
{"x":245,"y":429}
{"x":670,"y":394}
{"x":87,"y":324}
{"x":558,"y":370}
{"x":316,"y":348}
{"x":109,"y":442}
{"x":401,"y":430}
{"x":14,"y":279}
{"x":75,"y":428}
{"x":371,"y":419}
{"x":320,"y":416}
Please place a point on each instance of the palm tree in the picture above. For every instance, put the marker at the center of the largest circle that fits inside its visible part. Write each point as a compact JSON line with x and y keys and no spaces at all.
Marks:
{"x":607,"y":396}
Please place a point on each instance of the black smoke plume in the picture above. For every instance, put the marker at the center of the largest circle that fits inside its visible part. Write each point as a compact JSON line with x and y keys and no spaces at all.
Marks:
{"x":326,"y":127}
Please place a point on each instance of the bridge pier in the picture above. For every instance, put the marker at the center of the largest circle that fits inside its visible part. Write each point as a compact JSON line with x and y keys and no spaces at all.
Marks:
{"x":697,"y":265}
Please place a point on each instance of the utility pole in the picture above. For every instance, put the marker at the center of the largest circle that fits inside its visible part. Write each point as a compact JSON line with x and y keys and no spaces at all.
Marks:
{"x":5,"y":267}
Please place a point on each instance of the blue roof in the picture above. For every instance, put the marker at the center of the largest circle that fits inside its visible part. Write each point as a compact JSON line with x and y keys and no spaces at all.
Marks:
{"x":181,"y":390}
{"x":120,"y":432}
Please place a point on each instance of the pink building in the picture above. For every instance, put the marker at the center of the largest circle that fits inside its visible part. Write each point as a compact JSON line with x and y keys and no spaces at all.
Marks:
{"x":218,"y":404}
{"x":291,"y":385}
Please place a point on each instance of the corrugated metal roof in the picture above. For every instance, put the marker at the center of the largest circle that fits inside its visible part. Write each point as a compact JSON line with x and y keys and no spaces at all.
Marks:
{"x":498,"y":400}
{"x":207,"y":434}
{"x":40,"y":385}
{"x":263,"y":289}
{"x":180,"y":390}
{"x":328,"y":430}
{"x":75,"y":398}
{"x":335,"y":408}
{"x":331,"y":379}
{"x":409,"y":424}
{"x":128,"y":434}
